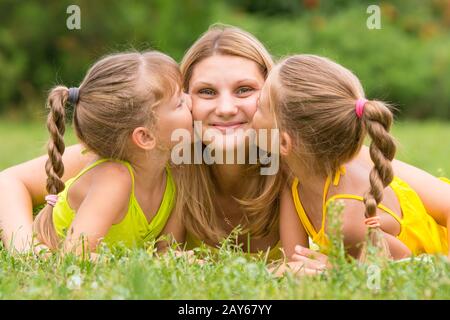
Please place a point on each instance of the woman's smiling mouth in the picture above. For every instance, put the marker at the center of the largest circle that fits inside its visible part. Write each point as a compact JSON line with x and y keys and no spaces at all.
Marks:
{"x":230,"y":126}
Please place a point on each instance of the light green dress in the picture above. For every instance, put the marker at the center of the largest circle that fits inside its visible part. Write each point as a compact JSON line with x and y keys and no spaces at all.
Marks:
{"x":134,"y":229}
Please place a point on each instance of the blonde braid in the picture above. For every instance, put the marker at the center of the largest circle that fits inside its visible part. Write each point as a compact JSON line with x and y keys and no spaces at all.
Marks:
{"x":54,"y":167}
{"x":378,"y":119}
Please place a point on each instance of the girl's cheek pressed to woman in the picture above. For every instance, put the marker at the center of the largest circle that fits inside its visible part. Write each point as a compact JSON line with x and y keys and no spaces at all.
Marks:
{"x":263,"y":118}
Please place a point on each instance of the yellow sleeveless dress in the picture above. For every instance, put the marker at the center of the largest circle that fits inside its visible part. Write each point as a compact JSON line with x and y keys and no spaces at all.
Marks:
{"x":134,"y":229}
{"x":419,"y":231}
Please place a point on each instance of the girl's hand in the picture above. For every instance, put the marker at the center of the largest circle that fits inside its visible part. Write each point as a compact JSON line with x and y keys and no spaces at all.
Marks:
{"x":311,"y":259}
{"x":297,"y":268}
{"x":42,"y":251}
{"x":190,"y":256}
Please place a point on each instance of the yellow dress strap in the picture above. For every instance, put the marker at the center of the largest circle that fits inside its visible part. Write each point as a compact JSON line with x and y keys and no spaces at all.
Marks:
{"x":355,"y":197}
{"x":130,"y":169}
{"x":336,"y":180}
{"x":300,"y":211}
{"x":444,"y":179}
{"x":89,"y":167}
{"x":165,"y":208}
{"x":100,"y":161}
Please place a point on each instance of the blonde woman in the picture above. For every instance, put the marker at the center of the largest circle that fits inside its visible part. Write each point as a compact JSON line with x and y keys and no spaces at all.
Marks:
{"x":223,"y":72}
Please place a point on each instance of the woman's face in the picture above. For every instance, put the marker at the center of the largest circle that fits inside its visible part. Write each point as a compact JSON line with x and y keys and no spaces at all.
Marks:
{"x":224,"y":91}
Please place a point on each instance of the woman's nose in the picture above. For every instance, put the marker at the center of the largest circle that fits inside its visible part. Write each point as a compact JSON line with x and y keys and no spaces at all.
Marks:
{"x":226,"y":106}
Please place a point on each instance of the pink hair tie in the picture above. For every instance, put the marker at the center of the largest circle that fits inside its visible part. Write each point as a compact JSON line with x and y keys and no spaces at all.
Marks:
{"x":360,"y":106}
{"x":51,"y":199}
{"x":373,"y":222}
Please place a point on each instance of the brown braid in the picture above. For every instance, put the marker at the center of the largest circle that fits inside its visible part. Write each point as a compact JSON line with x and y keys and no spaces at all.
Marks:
{"x":378,"y":119}
{"x":43,"y":223}
{"x":56,"y":127}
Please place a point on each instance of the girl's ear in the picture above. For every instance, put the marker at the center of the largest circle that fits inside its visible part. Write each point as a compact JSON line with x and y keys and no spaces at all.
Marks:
{"x":143,"y":138}
{"x":285,"y":144}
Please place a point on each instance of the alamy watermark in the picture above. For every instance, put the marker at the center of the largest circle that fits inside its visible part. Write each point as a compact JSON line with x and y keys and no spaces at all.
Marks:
{"x":234,"y":146}
{"x":373,"y":277}
{"x":374,"y":20}
{"x":74,"y":20}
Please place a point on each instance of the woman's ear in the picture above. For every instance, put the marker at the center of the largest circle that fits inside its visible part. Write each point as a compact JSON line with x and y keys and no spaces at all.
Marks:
{"x":143,"y":138}
{"x":285,"y":144}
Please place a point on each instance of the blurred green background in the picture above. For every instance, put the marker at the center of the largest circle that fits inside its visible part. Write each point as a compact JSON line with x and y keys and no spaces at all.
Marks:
{"x":406,"y":62}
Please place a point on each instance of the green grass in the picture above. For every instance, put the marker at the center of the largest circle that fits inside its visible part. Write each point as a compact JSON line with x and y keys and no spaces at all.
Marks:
{"x":137,"y":274}
{"x":20,"y":142}
{"x":229,"y":274}
{"x":425,"y":145}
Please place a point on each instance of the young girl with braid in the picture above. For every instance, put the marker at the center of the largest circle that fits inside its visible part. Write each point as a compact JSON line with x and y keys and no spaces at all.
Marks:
{"x":323,"y":118}
{"x":124,"y":112}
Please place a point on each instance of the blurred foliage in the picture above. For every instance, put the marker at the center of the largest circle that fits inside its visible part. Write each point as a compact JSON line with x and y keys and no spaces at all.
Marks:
{"x":37,"y":50}
{"x":406,"y":62}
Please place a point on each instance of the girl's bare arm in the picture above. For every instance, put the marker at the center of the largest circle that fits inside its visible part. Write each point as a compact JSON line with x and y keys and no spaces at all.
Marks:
{"x":22,"y":187}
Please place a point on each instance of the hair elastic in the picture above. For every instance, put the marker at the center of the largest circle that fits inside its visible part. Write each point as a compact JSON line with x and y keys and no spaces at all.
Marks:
{"x":73,"y":95}
{"x":51,"y":199}
{"x":359,"y":108}
{"x":372,"y":222}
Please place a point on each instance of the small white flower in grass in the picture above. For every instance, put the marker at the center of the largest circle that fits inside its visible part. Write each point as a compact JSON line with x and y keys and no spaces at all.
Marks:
{"x":121,"y":293}
{"x":226,"y":270}
{"x":94,"y":285}
{"x":252,"y":268}
{"x":123,"y":260}
{"x":73,"y":269}
{"x":75,"y":279}
{"x":74,"y":282}
{"x":240,"y":260}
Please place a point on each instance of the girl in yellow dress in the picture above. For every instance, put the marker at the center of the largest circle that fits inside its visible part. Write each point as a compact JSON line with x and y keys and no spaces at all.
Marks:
{"x":124,"y":113}
{"x":323,"y":117}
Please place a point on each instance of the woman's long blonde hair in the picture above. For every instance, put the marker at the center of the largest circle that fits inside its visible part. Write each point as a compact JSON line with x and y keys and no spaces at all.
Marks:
{"x":313,"y":100}
{"x":197,"y":190}
{"x":118,"y":94}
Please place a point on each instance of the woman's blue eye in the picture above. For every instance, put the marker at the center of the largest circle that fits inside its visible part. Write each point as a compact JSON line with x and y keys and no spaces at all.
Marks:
{"x":244,"y":90}
{"x":206,"y":91}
